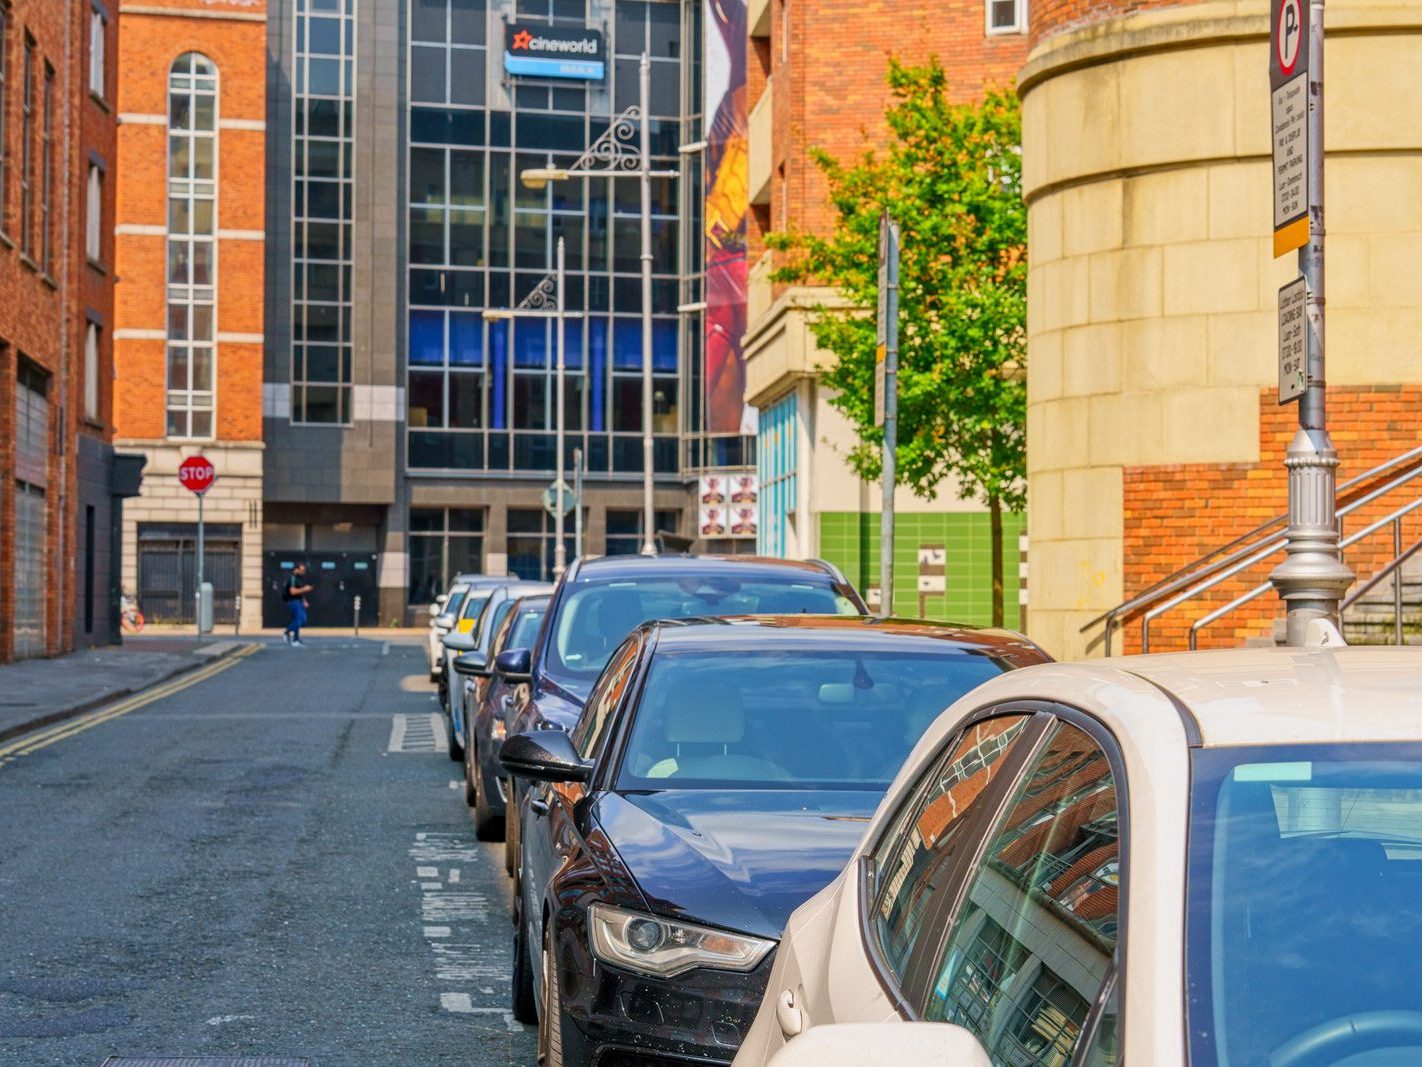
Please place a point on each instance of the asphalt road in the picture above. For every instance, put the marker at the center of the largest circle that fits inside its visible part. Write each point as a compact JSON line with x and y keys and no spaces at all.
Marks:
{"x":245,"y":868}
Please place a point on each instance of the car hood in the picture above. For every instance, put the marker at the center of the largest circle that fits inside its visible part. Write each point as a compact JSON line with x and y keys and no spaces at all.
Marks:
{"x":742,"y":859}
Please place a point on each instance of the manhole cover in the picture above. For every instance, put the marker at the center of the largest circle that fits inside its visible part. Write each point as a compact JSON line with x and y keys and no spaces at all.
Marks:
{"x":207,"y":1061}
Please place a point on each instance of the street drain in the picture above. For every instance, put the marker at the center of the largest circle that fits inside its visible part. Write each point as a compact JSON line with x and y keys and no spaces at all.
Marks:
{"x":417,"y":733}
{"x":207,"y":1061}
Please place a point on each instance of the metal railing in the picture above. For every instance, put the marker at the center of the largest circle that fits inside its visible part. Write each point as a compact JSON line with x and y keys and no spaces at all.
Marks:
{"x":1243,"y":552}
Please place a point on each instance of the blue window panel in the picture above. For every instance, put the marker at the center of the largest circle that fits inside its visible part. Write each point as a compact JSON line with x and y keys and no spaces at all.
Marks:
{"x":466,"y":339}
{"x":573,"y":343}
{"x":498,"y":377}
{"x":627,"y":344}
{"x":597,"y":379}
{"x":426,"y":338}
{"x":664,"y":345}
{"x":530,"y":345}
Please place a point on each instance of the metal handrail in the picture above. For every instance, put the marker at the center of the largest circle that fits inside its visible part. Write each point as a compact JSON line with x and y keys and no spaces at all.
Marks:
{"x":1200,"y":568}
{"x":1372,"y":582}
{"x":1260,"y":590}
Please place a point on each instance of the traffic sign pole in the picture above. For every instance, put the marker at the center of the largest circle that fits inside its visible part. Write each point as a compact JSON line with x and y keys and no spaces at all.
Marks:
{"x":196,"y":474}
{"x":889,"y":351}
{"x":1313,"y":577}
{"x":560,"y":551}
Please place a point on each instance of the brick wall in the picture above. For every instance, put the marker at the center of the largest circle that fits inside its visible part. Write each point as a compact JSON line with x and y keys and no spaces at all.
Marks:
{"x":237,"y":47}
{"x":1174,"y":514}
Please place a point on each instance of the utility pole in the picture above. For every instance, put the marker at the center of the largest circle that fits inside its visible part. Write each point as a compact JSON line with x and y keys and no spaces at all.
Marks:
{"x":886,"y":399}
{"x":644,"y":171}
{"x":560,"y":551}
{"x":1313,"y":578}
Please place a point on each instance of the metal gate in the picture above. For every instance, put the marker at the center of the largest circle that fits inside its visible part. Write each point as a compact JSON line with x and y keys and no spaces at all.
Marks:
{"x":167,"y":571}
{"x":337,"y":579}
{"x":30,"y":578}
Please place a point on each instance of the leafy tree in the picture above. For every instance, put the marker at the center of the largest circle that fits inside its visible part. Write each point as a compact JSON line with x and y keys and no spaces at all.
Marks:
{"x":952,"y":178}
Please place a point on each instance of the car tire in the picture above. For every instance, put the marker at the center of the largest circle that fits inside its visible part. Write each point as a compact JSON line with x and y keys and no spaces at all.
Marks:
{"x":550,"y":1015}
{"x":525,"y":1005}
{"x":487,"y":825}
{"x":456,"y":750}
{"x":471,"y":755}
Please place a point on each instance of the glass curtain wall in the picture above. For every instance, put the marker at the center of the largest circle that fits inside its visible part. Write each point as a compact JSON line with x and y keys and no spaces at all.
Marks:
{"x":323,"y":144}
{"x":480,"y":393}
{"x":443,"y":542}
{"x":192,"y":245}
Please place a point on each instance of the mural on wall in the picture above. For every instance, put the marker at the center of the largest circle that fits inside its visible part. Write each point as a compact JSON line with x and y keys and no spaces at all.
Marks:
{"x":727,"y":177}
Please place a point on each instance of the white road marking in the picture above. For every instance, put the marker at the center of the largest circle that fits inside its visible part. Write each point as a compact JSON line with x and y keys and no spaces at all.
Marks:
{"x":397,"y":736}
{"x":456,"y":1002}
{"x":385,"y":649}
{"x":218,"y":1020}
{"x":427,"y":872}
{"x":454,"y":876}
{"x":437,"y":931}
{"x":431,"y":885}
{"x":455,"y":783}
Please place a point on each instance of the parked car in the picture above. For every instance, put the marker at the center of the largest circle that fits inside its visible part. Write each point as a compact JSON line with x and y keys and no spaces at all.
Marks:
{"x":599,"y":601}
{"x":444,"y":612}
{"x":1225,"y":843}
{"x":720,"y":774}
{"x":488,"y":704}
{"x":483,"y":610}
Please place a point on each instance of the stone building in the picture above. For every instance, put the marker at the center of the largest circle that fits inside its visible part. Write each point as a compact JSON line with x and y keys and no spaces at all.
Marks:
{"x":190,"y":239}
{"x":1154,"y":432}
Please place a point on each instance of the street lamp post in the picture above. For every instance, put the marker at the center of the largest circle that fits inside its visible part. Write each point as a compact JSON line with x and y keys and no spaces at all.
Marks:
{"x":610,"y":156}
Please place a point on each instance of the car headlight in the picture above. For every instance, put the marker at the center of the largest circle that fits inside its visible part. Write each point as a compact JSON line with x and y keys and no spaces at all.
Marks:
{"x":665,"y":948}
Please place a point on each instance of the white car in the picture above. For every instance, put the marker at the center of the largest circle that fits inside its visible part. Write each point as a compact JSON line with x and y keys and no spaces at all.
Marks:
{"x":443,"y":613}
{"x":1206,"y":858}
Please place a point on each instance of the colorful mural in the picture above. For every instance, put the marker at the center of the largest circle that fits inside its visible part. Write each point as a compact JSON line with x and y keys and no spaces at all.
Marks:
{"x":727,"y":178}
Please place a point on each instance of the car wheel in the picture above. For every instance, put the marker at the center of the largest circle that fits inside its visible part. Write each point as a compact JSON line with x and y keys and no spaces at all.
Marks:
{"x":550,"y":1015}
{"x":525,"y":1008}
{"x":487,"y":825}
{"x":470,"y":756}
{"x":456,"y":750}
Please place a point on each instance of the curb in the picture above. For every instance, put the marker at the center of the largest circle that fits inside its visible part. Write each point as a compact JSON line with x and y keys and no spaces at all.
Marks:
{"x":73,"y":711}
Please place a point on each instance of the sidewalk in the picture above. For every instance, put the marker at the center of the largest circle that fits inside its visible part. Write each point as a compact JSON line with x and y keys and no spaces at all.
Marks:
{"x":38,"y":692}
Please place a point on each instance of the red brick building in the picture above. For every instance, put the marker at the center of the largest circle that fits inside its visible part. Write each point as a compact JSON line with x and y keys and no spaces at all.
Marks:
{"x":60,"y":485}
{"x":191,"y":243}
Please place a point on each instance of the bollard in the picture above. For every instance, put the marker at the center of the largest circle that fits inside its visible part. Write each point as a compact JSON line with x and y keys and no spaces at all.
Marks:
{"x":356,"y":621}
{"x":237,"y":618}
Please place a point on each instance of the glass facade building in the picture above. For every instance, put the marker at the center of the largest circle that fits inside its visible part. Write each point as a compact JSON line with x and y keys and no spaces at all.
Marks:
{"x":421,"y":412}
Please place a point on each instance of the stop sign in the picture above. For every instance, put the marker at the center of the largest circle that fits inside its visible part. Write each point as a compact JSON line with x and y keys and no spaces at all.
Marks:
{"x":197,"y":474}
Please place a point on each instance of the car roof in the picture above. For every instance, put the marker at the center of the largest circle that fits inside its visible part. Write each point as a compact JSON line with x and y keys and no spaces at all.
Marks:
{"x":483,"y":579}
{"x":511,"y":589}
{"x":613,"y":567}
{"x":1242,"y":696}
{"x":839,"y":632}
{"x":539,"y":600}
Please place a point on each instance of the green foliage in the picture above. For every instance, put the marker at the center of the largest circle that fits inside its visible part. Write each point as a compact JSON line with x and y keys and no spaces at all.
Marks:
{"x":952,"y":179}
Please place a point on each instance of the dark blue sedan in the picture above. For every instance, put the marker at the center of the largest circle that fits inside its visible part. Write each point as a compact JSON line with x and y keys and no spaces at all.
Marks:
{"x":721,"y":773}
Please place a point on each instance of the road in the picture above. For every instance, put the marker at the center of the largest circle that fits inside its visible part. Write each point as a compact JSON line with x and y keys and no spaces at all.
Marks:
{"x":244,"y":867}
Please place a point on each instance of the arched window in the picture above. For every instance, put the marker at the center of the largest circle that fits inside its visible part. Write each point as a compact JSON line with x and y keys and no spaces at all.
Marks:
{"x":192,"y":245}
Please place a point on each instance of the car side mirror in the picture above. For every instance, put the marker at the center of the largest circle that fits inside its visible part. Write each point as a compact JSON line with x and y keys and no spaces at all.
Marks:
{"x":544,"y":756}
{"x":514,"y":665}
{"x":471,"y":664}
{"x":855,"y":1044}
{"x":458,"y":642}
{"x":445,"y":621}
{"x":435,"y":607}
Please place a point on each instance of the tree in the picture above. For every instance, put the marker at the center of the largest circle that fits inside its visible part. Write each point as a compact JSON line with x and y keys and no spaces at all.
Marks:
{"x":952,"y":178}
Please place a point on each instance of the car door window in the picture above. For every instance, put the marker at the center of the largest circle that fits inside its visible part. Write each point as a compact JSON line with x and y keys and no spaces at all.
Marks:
{"x":592,"y":726}
{"x":1031,"y":949}
{"x":912,"y":862}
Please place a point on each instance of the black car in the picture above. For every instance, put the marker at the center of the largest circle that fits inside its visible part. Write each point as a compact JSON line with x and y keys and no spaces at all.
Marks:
{"x":488,"y":707}
{"x":720,"y":775}
{"x":599,"y":601}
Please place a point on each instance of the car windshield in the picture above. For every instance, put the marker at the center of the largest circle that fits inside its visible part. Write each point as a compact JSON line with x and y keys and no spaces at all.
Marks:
{"x":489,"y":620}
{"x":475,"y":602}
{"x":455,"y":600}
{"x":790,"y":720}
{"x":1303,"y":931}
{"x":595,"y":616}
{"x":525,"y":627}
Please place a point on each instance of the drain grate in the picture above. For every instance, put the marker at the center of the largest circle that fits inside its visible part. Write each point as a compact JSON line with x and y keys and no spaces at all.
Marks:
{"x":417,"y":733}
{"x":207,"y":1061}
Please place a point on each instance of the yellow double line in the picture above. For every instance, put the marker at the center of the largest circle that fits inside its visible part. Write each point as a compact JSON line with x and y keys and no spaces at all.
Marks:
{"x":34,"y":742}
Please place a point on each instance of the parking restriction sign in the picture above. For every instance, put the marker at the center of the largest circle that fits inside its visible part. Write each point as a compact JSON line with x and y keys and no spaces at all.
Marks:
{"x":1288,"y":82}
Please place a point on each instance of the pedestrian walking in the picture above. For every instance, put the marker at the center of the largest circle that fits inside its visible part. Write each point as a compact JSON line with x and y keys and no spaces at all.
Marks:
{"x":294,"y":593}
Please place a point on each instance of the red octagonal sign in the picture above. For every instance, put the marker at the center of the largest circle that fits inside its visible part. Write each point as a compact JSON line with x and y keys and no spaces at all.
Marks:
{"x":197,"y":474}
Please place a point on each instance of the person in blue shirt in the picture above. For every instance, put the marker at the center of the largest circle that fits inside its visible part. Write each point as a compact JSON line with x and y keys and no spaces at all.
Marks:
{"x":294,"y":593}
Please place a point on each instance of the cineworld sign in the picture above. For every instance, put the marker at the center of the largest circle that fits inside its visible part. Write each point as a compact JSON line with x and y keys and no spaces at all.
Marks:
{"x":538,"y":51}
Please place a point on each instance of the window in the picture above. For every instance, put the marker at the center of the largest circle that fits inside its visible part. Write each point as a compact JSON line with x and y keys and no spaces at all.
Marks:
{"x":98,"y":31}
{"x":192,"y":246}
{"x":94,"y":215}
{"x":779,"y":450}
{"x":47,"y":174}
{"x":530,"y":541}
{"x":624,"y":530}
{"x":912,"y":864}
{"x":27,"y":150}
{"x":443,"y":542}
{"x":1031,"y":950}
{"x":323,"y":144}
{"x":91,"y":372}
{"x":1006,"y":16}
{"x":591,"y":729}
